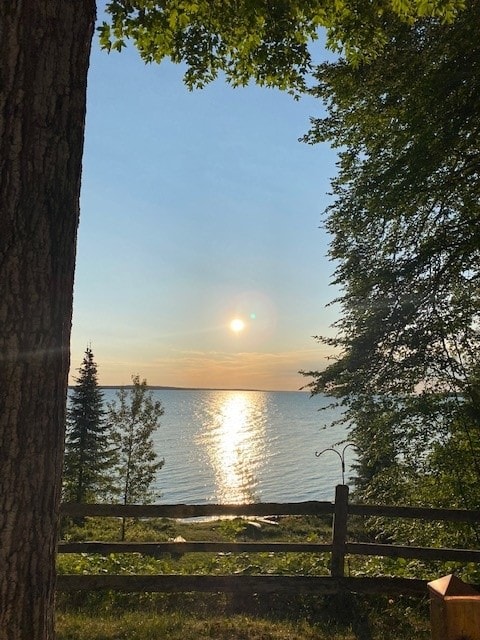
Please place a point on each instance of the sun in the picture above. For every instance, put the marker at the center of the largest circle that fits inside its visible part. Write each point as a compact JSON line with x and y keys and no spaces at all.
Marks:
{"x":237,"y":325}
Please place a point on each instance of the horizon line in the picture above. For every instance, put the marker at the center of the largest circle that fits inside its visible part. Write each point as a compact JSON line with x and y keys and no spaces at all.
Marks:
{"x":179,"y":388}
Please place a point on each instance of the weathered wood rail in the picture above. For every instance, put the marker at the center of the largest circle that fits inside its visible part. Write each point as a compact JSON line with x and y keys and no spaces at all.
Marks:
{"x":339,"y":548}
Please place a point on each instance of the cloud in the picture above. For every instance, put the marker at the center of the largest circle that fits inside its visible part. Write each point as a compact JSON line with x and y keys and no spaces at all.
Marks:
{"x":216,"y":369}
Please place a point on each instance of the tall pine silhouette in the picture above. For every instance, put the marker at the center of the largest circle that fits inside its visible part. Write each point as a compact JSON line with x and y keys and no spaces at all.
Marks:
{"x":88,"y":453}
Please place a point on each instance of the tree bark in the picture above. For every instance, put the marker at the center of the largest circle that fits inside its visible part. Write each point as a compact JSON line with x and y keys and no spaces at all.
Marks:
{"x":44,"y":56}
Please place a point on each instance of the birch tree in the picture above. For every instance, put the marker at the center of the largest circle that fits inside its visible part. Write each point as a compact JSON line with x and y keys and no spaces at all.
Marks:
{"x":133,"y":419}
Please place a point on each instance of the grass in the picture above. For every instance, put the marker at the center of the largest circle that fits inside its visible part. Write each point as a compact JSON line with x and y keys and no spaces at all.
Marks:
{"x":138,"y":626}
{"x":285,"y":528}
{"x":362,"y":619}
{"x":291,"y":529}
{"x":197,"y":616}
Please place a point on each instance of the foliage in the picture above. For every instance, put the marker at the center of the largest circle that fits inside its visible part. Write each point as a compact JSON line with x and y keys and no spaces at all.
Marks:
{"x":387,"y":618}
{"x":266,"y":41}
{"x":132,"y":423}
{"x":286,"y":528}
{"x":88,"y":452}
{"x":290,"y":529}
{"x":406,"y":207}
{"x":405,"y":241}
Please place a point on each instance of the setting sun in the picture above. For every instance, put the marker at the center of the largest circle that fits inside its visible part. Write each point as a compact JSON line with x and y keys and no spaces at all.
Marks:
{"x":237,"y":325}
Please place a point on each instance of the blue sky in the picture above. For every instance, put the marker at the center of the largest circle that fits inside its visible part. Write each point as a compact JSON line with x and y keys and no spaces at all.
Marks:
{"x":198,"y":208}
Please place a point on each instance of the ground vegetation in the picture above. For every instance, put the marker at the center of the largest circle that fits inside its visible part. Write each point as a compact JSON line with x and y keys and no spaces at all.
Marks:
{"x":96,"y":616}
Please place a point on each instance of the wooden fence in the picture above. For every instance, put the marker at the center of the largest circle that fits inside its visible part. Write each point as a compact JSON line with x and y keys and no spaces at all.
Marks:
{"x":339,"y":548}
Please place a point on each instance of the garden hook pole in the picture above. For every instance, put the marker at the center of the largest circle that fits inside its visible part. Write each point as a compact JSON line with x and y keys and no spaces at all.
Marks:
{"x":340,"y":455}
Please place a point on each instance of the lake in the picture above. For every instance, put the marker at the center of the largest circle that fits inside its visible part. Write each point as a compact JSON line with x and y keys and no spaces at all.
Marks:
{"x":246,"y":446}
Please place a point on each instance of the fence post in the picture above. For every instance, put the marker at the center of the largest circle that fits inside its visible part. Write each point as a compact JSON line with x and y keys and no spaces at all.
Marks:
{"x":454,"y":609}
{"x":337,"y":566}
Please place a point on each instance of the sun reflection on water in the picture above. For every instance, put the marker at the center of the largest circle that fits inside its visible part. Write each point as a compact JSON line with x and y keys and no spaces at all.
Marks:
{"x":234,"y":438}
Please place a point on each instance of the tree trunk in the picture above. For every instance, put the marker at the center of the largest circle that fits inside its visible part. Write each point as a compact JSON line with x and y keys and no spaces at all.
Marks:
{"x":44,"y":55}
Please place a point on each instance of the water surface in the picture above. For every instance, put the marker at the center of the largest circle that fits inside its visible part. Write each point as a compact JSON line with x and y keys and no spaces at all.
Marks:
{"x":246,"y":446}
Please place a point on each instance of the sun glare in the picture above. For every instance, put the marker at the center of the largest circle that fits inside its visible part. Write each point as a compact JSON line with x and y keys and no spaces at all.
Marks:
{"x":237,"y":325}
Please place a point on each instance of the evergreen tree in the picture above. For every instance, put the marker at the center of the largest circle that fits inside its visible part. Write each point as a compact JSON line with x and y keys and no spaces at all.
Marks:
{"x":88,"y":452}
{"x":133,"y":421}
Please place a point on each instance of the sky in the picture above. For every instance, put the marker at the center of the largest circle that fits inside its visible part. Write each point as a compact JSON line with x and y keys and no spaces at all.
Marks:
{"x":197,"y":209}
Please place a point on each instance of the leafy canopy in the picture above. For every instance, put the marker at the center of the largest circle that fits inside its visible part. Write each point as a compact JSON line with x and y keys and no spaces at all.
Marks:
{"x":133,"y":419}
{"x":406,"y":210}
{"x":260,"y":39}
{"x":404,"y":222}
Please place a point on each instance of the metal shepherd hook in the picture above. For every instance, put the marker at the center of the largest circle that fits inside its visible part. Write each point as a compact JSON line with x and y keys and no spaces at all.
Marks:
{"x":340,"y":455}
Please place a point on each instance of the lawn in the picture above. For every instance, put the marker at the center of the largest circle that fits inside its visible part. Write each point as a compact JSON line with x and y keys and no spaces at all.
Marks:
{"x":198,"y":616}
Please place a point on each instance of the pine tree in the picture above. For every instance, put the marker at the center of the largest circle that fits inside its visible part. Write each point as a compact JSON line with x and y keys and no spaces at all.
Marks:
{"x":133,"y":421}
{"x":88,"y":451}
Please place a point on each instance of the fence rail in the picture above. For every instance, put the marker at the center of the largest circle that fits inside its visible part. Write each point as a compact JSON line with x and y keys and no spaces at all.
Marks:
{"x":339,"y":548}
{"x":198,"y":510}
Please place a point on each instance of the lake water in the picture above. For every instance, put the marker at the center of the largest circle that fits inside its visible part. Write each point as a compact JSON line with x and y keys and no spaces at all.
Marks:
{"x":246,"y":446}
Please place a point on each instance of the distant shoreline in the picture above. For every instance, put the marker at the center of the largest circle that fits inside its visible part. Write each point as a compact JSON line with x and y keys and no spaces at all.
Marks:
{"x":166,"y":388}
